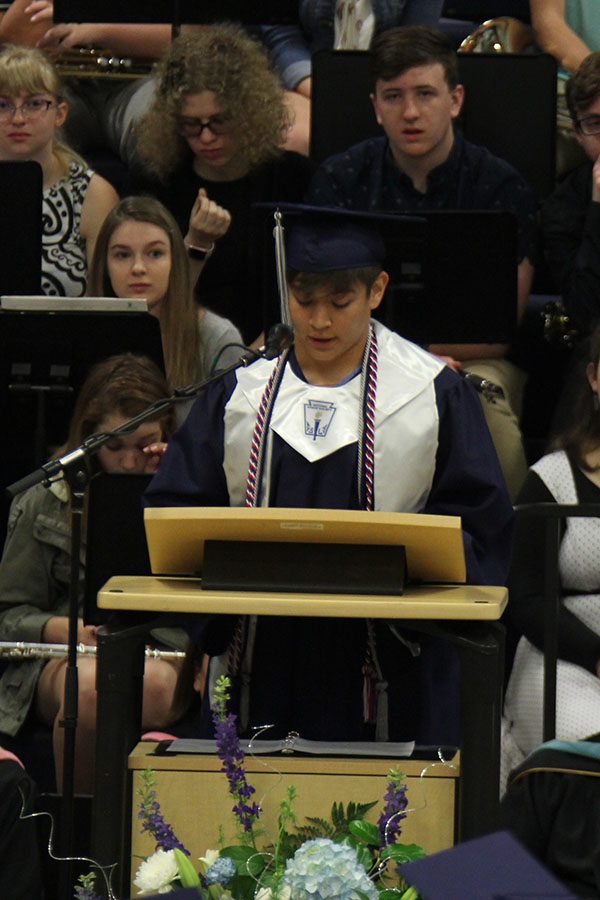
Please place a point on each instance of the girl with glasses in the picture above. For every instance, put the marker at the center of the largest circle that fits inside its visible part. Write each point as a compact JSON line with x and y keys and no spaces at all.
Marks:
{"x":214,"y":135}
{"x":140,"y":253}
{"x":75,"y":199}
{"x":35,"y":566}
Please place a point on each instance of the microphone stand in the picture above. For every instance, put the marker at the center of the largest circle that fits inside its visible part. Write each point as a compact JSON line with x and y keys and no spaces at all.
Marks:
{"x":75,"y":469}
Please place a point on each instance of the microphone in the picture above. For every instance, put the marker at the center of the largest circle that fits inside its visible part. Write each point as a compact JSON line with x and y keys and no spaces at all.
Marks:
{"x":279,"y":338}
{"x":489,"y":390}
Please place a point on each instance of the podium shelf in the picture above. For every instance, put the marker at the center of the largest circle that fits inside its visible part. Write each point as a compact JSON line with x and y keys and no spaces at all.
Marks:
{"x":431,"y":601}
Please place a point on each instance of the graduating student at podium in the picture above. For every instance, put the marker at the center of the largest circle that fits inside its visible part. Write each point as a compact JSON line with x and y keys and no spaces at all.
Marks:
{"x":352,"y":416}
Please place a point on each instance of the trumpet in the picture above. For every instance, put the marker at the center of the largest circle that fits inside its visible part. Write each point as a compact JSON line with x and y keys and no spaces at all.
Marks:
{"x":29,"y":650}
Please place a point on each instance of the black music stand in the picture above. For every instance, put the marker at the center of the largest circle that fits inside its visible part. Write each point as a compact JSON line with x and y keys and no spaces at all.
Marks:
{"x":20,"y":273}
{"x":510,"y":108}
{"x":442,"y":290}
{"x":188,"y":12}
{"x":453,"y":274}
{"x":21,"y":228}
{"x":116,"y":539}
{"x":45,"y":357}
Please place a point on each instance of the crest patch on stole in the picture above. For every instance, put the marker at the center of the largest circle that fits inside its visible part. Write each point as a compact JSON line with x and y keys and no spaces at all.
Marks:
{"x":318,"y":415}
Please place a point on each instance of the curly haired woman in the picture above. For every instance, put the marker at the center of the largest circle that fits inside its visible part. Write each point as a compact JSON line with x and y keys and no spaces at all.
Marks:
{"x":210,"y":144}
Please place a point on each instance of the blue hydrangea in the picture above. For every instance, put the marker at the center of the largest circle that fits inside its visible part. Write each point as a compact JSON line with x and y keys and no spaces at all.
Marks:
{"x":221,"y":872}
{"x":322,"y":869}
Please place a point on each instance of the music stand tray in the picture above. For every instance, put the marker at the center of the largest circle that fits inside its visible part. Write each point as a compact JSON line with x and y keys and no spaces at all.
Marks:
{"x":42,"y":303}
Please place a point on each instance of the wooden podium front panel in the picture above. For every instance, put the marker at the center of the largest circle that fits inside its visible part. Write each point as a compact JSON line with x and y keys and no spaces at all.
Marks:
{"x":194,"y":799}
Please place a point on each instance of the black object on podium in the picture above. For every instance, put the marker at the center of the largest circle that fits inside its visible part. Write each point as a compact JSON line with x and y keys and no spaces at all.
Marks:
{"x":304,"y":568}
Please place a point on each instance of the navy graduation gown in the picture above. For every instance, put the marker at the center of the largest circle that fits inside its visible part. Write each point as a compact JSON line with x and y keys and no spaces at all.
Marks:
{"x":307,"y":673}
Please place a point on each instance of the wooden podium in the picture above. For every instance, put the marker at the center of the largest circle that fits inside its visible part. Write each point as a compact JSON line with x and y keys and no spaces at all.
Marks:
{"x":466,"y":615}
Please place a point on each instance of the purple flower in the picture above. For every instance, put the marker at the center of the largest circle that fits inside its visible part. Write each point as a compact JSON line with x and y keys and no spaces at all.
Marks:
{"x":86,"y":889}
{"x":232,"y":756}
{"x":393,"y":812}
{"x":153,"y":820}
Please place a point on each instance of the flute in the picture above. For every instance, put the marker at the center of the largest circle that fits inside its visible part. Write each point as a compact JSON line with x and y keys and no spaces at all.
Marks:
{"x":30,"y":650}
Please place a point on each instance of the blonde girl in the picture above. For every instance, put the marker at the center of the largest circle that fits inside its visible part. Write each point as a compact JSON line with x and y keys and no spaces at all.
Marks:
{"x":75,"y":199}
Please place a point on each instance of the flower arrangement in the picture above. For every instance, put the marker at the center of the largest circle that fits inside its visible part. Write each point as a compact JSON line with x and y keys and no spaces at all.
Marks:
{"x":346,"y":858}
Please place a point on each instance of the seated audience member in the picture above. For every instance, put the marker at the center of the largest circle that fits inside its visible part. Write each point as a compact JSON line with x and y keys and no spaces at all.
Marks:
{"x":421,"y":164}
{"x":332,"y":25}
{"x":75,"y":200}
{"x":104,"y":108}
{"x":569,"y":474}
{"x":551,"y":806}
{"x":568,"y":30}
{"x":216,"y":126}
{"x":570,"y":217}
{"x":422,"y":446}
{"x":140,"y":253}
{"x":35,"y":565}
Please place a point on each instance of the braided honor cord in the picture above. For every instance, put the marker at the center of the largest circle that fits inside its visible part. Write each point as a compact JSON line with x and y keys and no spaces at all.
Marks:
{"x":261,"y":428}
{"x":366,"y":442}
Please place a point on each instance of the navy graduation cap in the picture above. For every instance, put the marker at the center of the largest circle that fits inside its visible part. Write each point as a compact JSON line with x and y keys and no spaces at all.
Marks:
{"x":494,"y":867}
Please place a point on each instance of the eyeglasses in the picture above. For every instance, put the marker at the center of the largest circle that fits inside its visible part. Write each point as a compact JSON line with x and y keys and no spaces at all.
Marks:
{"x":589,"y":125}
{"x":188,"y":127}
{"x":31,"y":109}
